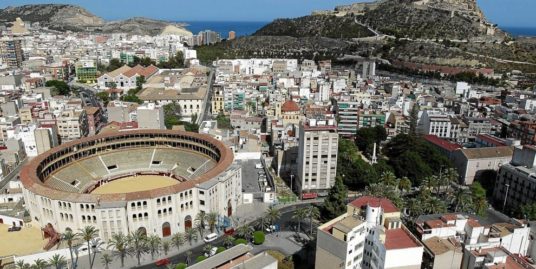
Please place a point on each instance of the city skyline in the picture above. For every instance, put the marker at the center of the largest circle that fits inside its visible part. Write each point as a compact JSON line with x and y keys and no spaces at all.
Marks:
{"x":271,"y":9}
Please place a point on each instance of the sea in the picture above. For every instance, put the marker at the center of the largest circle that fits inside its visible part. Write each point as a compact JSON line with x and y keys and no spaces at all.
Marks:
{"x":241,"y":28}
{"x":521,"y":31}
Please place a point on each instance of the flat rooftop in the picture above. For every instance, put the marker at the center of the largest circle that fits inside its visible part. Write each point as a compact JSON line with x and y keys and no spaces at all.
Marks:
{"x":400,"y":238}
{"x":28,"y":240}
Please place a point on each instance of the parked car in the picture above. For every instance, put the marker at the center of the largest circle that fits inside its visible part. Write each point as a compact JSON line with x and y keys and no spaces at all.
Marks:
{"x":271,"y":229}
{"x":210,"y":237}
{"x":229,"y":231}
{"x":212,"y":252}
{"x":14,"y":229}
{"x":162,"y":262}
{"x":258,"y":166}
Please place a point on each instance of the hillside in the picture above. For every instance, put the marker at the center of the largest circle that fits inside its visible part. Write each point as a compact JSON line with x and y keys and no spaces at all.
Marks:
{"x":77,"y":19}
{"x":309,"y":26}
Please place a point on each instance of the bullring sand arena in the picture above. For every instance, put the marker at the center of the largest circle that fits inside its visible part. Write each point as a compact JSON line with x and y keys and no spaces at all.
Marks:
{"x":135,"y":184}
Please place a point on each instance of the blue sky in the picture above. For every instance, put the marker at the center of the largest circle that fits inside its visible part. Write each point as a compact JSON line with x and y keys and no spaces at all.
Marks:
{"x":503,"y":12}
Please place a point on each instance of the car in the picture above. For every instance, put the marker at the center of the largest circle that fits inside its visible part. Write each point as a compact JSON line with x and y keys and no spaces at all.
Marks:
{"x":212,"y":252}
{"x":259,"y":166}
{"x":14,"y":229}
{"x":271,"y":229}
{"x":229,"y":231}
{"x":162,"y":262}
{"x":210,"y":237}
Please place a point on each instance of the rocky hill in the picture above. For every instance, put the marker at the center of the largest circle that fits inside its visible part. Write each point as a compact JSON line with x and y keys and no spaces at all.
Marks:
{"x":77,"y":19}
{"x":321,"y":25}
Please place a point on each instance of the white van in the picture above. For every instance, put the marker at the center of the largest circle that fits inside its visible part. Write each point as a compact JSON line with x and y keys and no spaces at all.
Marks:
{"x":210,"y":237}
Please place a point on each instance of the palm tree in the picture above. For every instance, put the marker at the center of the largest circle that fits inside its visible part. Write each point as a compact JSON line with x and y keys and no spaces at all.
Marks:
{"x":273,"y":214}
{"x":200,"y":219}
{"x":462,"y":200}
{"x":189,"y":256}
{"x":212,"y":220}
{"x":200,"y":229}
{"x":245,"y":231}
{"x":190,"y":235}
{"x":119,"y":245}
{"x":313,"y":214}
{"x":228,"y":241}
{"x":435,"y":205}
{"x":106,"y":259}
{"x":138,"y":244}
{"x":480,"y":205}
{"x":404,"y":184}
{"x":154,"y":243}
{"x":57,"y":261}
{"x":21,"y":265}
{"x":177,"y":240}
{"x":299,"y":215}
{"x":207,"y":248}
{"x":388,"y":178}
{"x":165,"y":247}
{"x":89,"y":233}
{"x":70,"y":237}
{"x":39,"y":264}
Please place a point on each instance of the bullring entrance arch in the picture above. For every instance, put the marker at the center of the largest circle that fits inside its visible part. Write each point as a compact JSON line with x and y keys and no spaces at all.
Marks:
{"x":188,"y":222}
{"x":142,"y":231}
{"x":166,"y":229}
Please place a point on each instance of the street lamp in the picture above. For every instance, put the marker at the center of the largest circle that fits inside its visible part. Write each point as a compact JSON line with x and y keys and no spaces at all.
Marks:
{"x":505,"y":195}
{"x":291,"y":179}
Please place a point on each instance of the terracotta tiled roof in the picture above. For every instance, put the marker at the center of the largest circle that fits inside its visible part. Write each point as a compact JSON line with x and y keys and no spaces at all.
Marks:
{"x":290,"y":106}
{"x":399,"y":239}
{"x":442,"y":143}
{"x":386,"y":204}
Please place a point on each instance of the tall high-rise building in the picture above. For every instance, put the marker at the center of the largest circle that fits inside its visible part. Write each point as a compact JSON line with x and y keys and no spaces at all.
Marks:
{"x":11,"y":52}
{"x":317,"y":155}
{"x":232,"y":35}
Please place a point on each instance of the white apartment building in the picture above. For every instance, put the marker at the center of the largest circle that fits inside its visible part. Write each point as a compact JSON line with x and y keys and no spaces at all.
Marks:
{"x":369,"y":235}
{"x":72,"y":124}
{"x":317,"y":155}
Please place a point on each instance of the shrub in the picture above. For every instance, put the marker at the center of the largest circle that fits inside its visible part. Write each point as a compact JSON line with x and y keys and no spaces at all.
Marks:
{"x":258,"y":237}
{"x":181,"y":266}
{"x":240,"y":241}
{"x":200,"y":258}
{"x":220,"y":249}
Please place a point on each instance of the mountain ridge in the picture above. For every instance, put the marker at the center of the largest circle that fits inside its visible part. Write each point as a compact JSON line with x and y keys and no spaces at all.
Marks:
{"x":68,"y":17}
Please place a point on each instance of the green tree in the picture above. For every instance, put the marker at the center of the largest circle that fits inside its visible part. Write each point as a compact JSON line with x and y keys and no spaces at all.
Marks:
{"x":114,"y":64}
{"x":88,"y":233}
{"x":335,"y":202}
{"x":273,"y":214}
{"x":404,"y":184}
{"x":138,"y":244}
{"x":21,"y":265}
{"x":178,"y":240}
{"x":228,"y":241}
{"x":528,"y":211}
{"x":165,"y":247}
{"x":413,"y":119}
{"x":104,"y":97}
{"x":40,"y":264}
{"x":258,"y":237}
{"x":154,"y":243}
{"x":190,"y":235}
{"x":106,"y":259}
{"x":313,"y":213}
{"x":70,"y":238}
{"x":119,"y":245}
{"x":212,"y":220}
{"x":57,"y":261}
{"x":223,"y":121}
{"x":172,"y":115}
{"x":245,"y":231}
{"x":299,"y":215}
{"x":59,"y":87}
{"x":174,"y":62}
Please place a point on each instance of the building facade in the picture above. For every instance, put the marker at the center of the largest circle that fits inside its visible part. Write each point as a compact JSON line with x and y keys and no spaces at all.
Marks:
{"x":317,"y":155}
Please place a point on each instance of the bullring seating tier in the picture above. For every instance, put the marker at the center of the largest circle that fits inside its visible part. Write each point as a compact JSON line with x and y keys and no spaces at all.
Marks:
{"x":80,"y":175}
